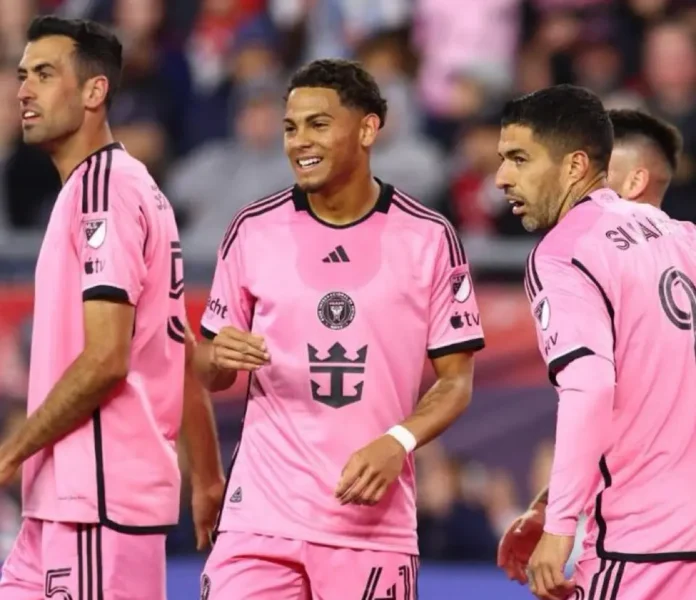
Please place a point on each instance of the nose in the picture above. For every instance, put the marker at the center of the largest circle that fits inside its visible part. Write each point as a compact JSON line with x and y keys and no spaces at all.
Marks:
{"x":502,"y":177}
{"x":25,"y":92}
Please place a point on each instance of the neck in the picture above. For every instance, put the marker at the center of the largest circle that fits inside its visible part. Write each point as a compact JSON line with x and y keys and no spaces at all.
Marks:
{"x":585,"y":189}
{"x":69,"y":153}
{"x":347,"y":202}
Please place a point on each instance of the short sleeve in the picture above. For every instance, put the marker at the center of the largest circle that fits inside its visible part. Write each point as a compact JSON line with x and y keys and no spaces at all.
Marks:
{"x":109,"y":235}
{"x":229,"y":303}
{"x":572,"y":314}
{"x":455,"y":321}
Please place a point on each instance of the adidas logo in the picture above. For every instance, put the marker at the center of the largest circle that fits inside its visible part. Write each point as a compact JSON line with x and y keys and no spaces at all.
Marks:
{"x":237,"y":496}
{"x":338,"y":255}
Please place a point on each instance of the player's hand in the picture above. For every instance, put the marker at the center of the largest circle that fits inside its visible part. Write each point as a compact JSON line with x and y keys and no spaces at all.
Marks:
{"x":547,"y":579}
{"x":205,"y":504}
{"x":235,"y":350}
{"x":370,"y":471}
{"x":519,"y":541}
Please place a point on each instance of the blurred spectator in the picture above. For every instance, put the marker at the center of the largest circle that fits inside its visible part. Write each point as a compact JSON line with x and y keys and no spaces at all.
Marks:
{"x":472,"y":201}
{"x":450,"y":527}
{"x":670,"y":75}
{"x":219,"y":178}
{"x":14,"y":21}
{"x":402,"y":155}
{"x":29,"y":183}
{"x":10,"y":495}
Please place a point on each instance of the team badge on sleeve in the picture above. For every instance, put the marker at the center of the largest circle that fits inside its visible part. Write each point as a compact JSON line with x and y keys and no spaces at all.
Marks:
{"x":461,"y":286}
{"x":542,"y":313}
{"x":95,"y":232}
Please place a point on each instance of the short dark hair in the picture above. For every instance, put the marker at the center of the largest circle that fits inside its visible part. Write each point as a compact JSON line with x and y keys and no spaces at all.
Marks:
{"x":632,"y":124}
{"x":566,"y":117}
{"x":97,"y":50}
{"x":354,"y":85}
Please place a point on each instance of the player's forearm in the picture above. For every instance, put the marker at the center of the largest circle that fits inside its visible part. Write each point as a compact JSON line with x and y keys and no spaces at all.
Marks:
{"x":582,"y":436}
{"x":84,"y":386}
{"x":200,"y":434}
{"x":542,"y":498}
{"x":442,"y":404}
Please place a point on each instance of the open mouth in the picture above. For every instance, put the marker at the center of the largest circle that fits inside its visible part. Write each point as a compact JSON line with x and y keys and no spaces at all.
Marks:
{"x":308,"y":163}
{"x":517,"y":206}
{"x":29,"y":115}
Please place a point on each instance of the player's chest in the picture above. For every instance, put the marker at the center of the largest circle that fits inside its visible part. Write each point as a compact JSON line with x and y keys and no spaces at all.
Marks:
{"x":340,"y":278}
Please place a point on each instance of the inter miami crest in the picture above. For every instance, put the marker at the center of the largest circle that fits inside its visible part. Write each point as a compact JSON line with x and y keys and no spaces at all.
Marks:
{"x":95,"y":232}
{"x":205,"y":587}
{"x":336,"y":310}
{"x":461,"y":286}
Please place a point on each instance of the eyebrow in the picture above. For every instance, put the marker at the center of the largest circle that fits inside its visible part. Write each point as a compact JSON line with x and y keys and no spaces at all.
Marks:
{"x":513,"y":152}
{"x":36,"y":68}
{"x":312,"y":117}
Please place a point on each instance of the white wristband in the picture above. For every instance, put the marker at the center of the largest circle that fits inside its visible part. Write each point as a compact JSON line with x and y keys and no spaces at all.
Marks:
{"x":404,"y":437}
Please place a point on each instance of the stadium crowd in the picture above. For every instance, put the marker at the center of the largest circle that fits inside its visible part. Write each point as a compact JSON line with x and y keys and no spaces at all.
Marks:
{"x":201,"y":105}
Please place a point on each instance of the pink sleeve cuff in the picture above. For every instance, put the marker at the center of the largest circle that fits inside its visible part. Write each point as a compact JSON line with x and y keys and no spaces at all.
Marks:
{"x":561,"y":526}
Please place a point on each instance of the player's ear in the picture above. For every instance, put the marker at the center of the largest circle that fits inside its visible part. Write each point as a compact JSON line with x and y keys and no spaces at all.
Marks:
{"x":636,"y":183}
{"x":578,"y":166}
{"x":368,"y":130}
{"x":95,"y":91}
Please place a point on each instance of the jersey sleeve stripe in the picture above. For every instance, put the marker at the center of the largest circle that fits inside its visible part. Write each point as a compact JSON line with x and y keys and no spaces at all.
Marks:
{"x":532,"y":275}
{"x":453,"y":243}
{"x":251,"y":205}
{"x":105,"y":292}
{"x":610,"y":309}
{"x":449,"y":229}
{"x":94,"y":199}
{"x":561,"y":362}
{"x":95,"y":182}
{"x":251,"y":211}
{"x":85,"y":188}
{"x":472,"y":345}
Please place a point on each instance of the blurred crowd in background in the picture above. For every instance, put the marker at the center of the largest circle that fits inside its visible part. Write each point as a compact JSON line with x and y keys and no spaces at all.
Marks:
{"x":201,"y":105}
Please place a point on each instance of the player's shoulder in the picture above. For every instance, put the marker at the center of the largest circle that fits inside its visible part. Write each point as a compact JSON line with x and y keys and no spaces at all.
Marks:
{"x":412,"y":214}
{"x":258,"y":213}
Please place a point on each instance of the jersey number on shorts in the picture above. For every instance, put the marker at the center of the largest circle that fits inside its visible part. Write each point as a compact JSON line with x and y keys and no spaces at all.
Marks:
{"x":54,"y":589}
{"x":175,"y":328}
{"x":677,"y":293}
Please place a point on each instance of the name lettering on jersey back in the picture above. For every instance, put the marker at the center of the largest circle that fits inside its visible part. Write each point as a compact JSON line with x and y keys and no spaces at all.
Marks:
{"x":634,"y":232}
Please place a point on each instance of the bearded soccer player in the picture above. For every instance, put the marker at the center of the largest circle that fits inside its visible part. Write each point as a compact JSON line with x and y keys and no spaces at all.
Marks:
{"x":110,"y":349}
{"x":643,"y":160}
{"x":612,"y":294}
{"x":331,"y":293}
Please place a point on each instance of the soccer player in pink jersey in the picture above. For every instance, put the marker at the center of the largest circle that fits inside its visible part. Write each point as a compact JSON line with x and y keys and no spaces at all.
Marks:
{"x":643,"y":160}
{"x":331,"y":293}
{"x":112,"y":359}
{"x":612,"y":295}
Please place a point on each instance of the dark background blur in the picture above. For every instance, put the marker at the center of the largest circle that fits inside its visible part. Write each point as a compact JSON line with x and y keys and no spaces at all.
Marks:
{"x":201,"y":105}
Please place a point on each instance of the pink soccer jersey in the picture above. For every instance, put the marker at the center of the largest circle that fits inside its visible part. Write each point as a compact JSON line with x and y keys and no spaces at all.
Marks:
{"x":615,"y":280}
{"x":111,"y":236}
{"x":348,"y":314}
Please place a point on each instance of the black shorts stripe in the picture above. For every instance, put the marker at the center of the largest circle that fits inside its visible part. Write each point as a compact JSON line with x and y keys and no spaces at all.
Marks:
{"x":617,"y":581}
{"x":415,"y":568}
{"x":604,"y":593}
{"x":80,"y":564}
{"x":417,"y":210}
{"x":89,"y":561}
{"x":253,"y":210}
{"x":100,"y":578}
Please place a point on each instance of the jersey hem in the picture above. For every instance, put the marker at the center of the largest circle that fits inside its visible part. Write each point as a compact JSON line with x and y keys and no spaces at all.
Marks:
{"x":350,"y":543}
{"x":208,"y":334}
